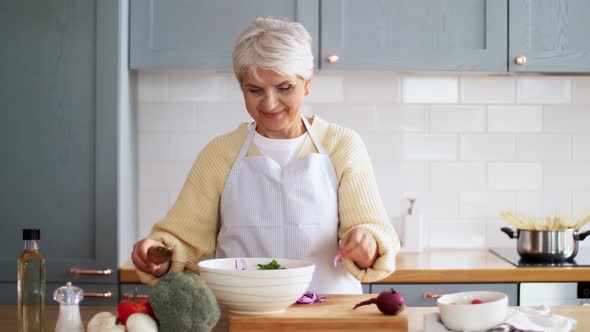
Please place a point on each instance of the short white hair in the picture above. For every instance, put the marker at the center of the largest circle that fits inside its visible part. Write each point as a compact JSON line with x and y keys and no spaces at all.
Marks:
{"x":278,"y":45}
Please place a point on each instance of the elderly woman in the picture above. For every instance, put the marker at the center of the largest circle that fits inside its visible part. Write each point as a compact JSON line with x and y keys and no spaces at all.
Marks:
{"x":282,"y":186}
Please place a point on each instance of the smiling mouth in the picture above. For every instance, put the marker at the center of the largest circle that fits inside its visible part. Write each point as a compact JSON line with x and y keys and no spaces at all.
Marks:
{"x":271,"y":115}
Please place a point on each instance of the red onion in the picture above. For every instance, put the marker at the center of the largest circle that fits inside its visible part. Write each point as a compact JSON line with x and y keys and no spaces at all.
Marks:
{"x":388,"y":302}
{"x":310,"y":298}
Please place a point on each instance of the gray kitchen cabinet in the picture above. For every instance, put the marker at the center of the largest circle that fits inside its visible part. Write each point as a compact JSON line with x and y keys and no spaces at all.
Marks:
{"x":551,"y":35}
{"x":200,"y":34}
{"x":142,"y":289}
{"x":414,"y":293}
{"x":456,"y":35}
{"x":366,"y":288}
{"x":413,"y":35}
{"x":110,"y":291}
{"x":58,"y":140}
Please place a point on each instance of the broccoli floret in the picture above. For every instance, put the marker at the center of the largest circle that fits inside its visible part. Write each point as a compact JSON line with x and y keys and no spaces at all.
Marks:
{"x":183,"y":302}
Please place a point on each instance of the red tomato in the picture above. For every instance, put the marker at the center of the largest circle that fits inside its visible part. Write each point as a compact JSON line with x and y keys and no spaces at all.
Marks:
{"x":127,"y":308}
{"x":476,"y":301}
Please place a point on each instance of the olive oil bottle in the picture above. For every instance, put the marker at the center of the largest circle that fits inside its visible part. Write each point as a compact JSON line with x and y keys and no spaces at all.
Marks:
{"x":31,"y":284}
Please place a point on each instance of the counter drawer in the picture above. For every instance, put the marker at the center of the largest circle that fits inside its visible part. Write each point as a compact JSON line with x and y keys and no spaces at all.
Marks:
{"x":414,"y":293}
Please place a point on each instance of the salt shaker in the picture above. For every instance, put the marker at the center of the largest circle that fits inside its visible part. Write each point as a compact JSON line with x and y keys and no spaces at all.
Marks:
{"x":69,"y":319}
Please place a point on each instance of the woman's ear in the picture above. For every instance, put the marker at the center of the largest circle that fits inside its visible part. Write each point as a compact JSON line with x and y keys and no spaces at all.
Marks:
{"x":307,"y":86}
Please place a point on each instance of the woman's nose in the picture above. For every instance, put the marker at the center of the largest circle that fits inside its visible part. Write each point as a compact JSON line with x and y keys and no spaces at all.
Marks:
{"x":269,"y":102}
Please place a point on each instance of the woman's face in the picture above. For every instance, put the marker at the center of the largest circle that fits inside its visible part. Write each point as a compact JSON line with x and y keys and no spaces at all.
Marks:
{"x":274,"y":102}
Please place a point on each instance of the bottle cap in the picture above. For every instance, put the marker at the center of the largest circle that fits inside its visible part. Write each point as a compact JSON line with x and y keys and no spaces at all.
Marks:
{"x":31,"y":234}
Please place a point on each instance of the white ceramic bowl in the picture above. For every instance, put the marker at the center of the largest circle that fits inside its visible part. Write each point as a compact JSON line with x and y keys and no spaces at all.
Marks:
{"x":458,"y":314}
{"x":252,"y":291}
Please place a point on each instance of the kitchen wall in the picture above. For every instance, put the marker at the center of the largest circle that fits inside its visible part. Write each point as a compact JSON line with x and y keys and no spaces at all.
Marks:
{"x":466,"y":145}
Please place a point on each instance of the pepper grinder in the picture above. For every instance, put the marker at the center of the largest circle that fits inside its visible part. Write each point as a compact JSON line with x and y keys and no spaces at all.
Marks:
{"x":69,"y":319}
{"x":413,"y":228}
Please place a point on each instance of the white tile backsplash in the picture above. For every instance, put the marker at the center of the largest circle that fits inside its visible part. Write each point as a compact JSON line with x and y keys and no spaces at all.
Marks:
{"x":430,"y":90}
{"x":457,"y":234}
{"x":204,"y":87}
{"x":371,"y":87}
{"x":457,"y":177}
{"x":487,"y":147}
{"x":514,"y":176}
{"x":430,"y":147}
{"x":153,"y":146}
{"x":153,"y":205}
{"x":485,"y":204}
{"x":152,"y":86}
{"x":326,"y":89}
{"x":580,"y":200}
{"x":184,"y":146}
{"x":358,"y":116}
{"x":539,"y":204}
{"x":582,"y":90}
{"x":439,"y":204}
{"x":395,"y":118}
{"x":515,"y":118}
{"x":488,"y":90}
{"x":468,"y":146}
{"x":567,"y":176}
{"x":166,"y":117}
{"x":543,"y":147}
{"x":458,"y":118}
{"x":566,"y":119}
{"x":581,"y":147}
{"x":544,"y":91}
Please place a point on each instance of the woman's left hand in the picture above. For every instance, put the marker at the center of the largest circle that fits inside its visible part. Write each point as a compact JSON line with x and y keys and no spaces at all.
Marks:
{"x":359,"y":246}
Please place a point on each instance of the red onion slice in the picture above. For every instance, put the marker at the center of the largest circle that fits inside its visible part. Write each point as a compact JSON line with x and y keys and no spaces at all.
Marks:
{"x":310,"y":298}
{"x":335,"y":259}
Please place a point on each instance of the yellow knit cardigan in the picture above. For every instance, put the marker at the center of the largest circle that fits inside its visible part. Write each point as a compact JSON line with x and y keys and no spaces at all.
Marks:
{"x":190,"y":228}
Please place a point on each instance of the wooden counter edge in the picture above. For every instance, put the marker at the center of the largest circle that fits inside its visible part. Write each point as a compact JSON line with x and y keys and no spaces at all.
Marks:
{"x":128,"y":275}
{"x":541,"y":274}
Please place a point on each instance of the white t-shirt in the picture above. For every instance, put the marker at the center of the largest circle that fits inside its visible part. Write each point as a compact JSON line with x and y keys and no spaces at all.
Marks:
{"x":283,"y":151}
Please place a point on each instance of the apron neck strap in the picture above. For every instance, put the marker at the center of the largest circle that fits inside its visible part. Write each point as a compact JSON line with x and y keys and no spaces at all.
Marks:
{"x":249,"y":138}
{"x":314,"y":139}
{"x":252,"y":131}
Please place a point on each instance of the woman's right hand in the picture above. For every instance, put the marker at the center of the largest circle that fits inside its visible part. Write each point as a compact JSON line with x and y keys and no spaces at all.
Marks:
{"x":141,"y":261}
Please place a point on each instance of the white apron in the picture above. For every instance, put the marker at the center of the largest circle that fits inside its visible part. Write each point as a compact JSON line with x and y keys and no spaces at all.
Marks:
{"x":288,"y":212}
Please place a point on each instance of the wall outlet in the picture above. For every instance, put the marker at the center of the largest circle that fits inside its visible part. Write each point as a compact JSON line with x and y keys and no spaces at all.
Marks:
{"x":584,"y":290}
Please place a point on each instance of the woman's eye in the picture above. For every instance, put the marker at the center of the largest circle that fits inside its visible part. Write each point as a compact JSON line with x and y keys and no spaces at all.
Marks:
{"x":255,"y":91}
{"x":285,"y":88}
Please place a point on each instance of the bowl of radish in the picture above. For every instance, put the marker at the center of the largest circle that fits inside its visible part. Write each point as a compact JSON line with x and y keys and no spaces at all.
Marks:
{"x":256,"y":286}
{"x":473,"y":311}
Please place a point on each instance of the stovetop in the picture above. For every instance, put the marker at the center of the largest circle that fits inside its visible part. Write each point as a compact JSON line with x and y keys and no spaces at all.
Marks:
{"x":511,"y":256}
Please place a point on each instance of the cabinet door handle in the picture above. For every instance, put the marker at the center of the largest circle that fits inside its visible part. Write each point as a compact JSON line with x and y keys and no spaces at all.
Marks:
{"x":430,"y":296}
{"x":106,"y":272}
{"x":520,"y":60}
{"x":332,"y":58}
{"x":129,"y":296}
{"x":105,"y":295}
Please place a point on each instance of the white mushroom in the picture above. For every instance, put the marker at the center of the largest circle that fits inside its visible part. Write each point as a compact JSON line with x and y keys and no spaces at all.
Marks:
{"x":139,"y":322}
{"x":104,"y":322}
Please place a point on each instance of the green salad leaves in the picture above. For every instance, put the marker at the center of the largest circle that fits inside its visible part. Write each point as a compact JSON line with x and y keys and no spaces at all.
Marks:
{"x":273,"y":265}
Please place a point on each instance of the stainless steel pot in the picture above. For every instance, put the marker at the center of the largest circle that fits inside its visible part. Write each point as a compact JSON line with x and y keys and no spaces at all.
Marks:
{"x":546,"y":246}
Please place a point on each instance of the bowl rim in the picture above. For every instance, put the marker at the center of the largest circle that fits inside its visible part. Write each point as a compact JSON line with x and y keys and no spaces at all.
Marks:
{"x":501,"y":297}
{"x":205,"y":267}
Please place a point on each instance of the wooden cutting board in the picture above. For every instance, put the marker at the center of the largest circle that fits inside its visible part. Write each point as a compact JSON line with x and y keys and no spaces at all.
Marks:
{"x":335,"y":314}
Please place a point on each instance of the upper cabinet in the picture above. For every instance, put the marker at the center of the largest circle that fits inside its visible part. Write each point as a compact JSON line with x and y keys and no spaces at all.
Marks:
{"x":200,"y":34}
{"x":402,"y":35}
{"x":549,"y":36}
{"x":456,"y":35}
